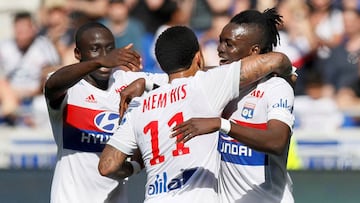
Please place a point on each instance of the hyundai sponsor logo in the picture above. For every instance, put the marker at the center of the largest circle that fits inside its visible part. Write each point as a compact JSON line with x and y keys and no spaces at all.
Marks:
{"x":107,"y":121}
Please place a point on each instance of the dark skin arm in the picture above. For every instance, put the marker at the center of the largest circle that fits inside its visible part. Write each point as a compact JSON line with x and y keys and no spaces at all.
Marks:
{"x":134,"y":89}
{"x":255,"y":67}
{"x":64,"y":78}
{"x":272,"y":140}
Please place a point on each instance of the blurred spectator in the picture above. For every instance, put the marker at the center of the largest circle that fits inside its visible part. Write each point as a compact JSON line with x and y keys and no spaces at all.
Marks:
{"x":209,"y":40}
{"x":125,"y":29}
{"x":8,"y":101}
{"x":315,"y":111}
{"x":242,"y":5}
{"x":94,"y":9}
{"x":297,"y":38}
{"x":348,"y":99}
{"x":204,"y":10}
{"x":348,"y":96}
{"x":327,"y":21}
{"x":56,"y":25}
{"x":152,"y":13}
{"x":180,"y":15}
{"x":25,"y":60}
{"x":261,"y":5}
{"x":341,"y":68}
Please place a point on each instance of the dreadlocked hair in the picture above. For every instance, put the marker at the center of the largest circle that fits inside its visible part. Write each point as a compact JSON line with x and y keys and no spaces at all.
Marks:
{"x":267,"y":21}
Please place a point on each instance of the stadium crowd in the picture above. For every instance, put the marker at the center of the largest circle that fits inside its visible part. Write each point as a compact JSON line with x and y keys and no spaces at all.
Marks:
{"x":321,"y":38}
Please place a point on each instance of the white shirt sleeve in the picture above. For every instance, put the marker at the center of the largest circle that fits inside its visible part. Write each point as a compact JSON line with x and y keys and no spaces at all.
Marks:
{"x":124,"y":137}
{"x":220,"y":84}
{"x":281,"y":103}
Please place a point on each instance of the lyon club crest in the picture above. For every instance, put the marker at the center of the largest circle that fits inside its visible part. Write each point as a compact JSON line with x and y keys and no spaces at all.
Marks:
{"x":248,"y":110}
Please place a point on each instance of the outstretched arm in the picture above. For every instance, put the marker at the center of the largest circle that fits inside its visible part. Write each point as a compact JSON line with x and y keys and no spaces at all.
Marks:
{"x":255,"y":67}
{"x":272,"y":140}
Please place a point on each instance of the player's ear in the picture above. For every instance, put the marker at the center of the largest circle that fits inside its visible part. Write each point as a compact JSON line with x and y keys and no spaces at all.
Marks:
{"x":77,"y":54}
{"x":200,"y":60}
{"x":255,"y":49}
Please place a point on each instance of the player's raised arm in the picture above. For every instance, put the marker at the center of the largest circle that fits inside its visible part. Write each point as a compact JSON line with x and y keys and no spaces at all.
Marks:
{"x":255,"y":67}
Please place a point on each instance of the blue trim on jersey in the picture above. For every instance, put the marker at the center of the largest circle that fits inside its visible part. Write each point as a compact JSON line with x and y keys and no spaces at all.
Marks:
{"x":33,"y":142}
{"x":318,"y":143}
{"x":84,"y":140}
{"x":234,"y":152}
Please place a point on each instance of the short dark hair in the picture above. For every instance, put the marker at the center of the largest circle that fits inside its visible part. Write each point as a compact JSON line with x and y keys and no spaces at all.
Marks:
{"x":117,"y":1}
{"x":85,"y":27}
{"x":22,"y":15}
{"x":267,"y":22}
{"x":175,"y":49}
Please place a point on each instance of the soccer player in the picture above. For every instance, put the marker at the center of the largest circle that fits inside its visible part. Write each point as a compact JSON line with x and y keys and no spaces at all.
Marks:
{"x":253,"y":160}
{"x":182,"y":172}
{"x":83,"y":101}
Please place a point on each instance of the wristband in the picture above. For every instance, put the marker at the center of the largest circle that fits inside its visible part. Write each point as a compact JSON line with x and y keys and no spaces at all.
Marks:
{"x":136,"y":167}
{"x":225,"y":126}
{"x":149,"y":85}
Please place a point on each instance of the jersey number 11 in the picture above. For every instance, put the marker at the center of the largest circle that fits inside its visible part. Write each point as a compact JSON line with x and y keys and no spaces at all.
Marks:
{"x":153,"y":127}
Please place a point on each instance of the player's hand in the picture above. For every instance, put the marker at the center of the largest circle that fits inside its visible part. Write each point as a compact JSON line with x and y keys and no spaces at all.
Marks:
{"x":134,"y":89}
{"x":125,"y":58}
{"x":195,"y":127}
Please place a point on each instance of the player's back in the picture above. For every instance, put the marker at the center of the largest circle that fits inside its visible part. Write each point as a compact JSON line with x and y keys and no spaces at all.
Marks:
{"x":180,"y":172}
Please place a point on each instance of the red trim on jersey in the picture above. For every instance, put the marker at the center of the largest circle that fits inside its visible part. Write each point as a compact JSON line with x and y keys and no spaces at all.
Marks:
{"x":261,"y":126}
{"x":81,"y":118}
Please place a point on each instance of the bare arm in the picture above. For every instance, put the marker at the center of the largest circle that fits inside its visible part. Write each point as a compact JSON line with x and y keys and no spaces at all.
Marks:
{"x":112,"y":163}
{"x":134,"y":89}
{"x":272,"y":140}
{"x":255,"y":67}
{"x":64,"y":78}
{"x":8,"y":100}
{"x":88,"y":7}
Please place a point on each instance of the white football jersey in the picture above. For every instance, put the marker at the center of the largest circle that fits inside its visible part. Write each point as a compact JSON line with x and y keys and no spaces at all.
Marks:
{"x":248,"y":175}
{"x":179,"y":172}
{"x":87,"y":118}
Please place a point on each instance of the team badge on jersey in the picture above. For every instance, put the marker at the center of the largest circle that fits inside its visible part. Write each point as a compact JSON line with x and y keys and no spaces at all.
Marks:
{"x":248,"y":110}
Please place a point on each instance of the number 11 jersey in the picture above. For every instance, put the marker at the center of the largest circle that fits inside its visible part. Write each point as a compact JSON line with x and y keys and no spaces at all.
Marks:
{"x":179,"y":172}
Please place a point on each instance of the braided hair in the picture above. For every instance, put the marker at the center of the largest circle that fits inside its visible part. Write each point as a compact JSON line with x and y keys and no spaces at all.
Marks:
{"x":266,"y":22}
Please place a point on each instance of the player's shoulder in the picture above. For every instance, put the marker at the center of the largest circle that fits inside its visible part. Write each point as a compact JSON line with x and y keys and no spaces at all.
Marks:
{"x":274,"y":86}
{"x":130,"y":75}
{"x":277,"y":81}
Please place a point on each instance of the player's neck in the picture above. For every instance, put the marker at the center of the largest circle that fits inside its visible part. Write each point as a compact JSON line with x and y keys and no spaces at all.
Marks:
{"x":184,"y":74}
